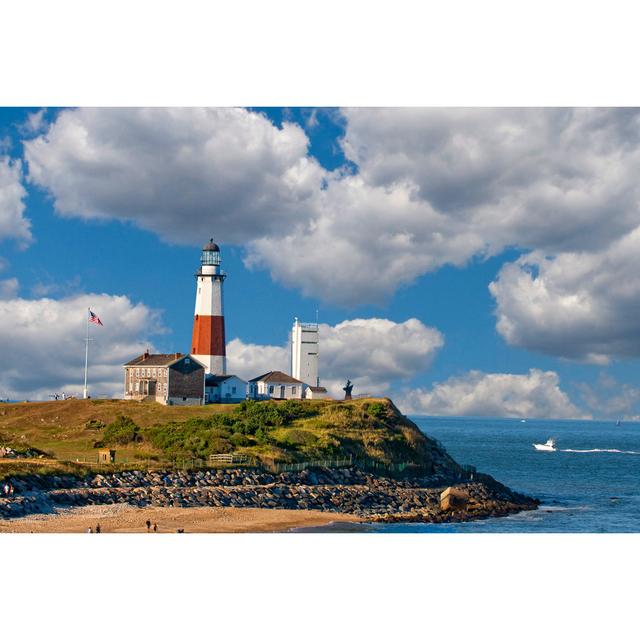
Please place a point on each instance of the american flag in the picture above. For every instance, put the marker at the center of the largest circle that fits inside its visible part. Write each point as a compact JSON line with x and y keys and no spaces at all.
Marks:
{"x":94,"y":318}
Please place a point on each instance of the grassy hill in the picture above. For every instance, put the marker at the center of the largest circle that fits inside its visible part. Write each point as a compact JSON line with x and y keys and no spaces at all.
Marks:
{"x":150,"y":434}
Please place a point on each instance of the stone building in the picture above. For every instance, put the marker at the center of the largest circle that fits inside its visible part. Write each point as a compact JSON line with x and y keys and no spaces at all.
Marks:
{"x":276,"y":385}
{"x":171,"y":378}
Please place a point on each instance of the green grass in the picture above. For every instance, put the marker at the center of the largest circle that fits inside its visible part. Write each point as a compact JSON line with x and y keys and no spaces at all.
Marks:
{"x":273,"y":431}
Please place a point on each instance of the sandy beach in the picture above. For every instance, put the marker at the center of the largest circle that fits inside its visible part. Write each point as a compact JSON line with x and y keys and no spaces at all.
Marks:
{"x":123,"y":518}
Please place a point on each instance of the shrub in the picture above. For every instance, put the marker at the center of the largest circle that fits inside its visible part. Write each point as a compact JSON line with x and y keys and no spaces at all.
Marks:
{"x":94,"y":424}
{"x":239,"y":440}
{"x":377,"y":410}
{"x":220,"y":445}
{"x":122,"y":430}
{"x":297,"y":437}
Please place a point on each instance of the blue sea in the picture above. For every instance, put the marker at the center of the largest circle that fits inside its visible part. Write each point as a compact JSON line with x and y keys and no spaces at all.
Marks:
{"x":591,"y":484}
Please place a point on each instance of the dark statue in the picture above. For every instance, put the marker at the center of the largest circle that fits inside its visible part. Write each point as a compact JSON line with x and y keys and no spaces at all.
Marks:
{"x":347,"y":390}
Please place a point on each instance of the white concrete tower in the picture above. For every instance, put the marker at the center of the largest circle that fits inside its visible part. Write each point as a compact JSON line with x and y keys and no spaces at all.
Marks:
{"x":208,"y":342}
{"x":304,"y":352}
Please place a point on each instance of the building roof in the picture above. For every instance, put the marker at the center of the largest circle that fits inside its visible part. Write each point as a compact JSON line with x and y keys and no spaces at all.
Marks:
{"x":154,"y":359}
{"x":277,"y":377}
{"x":211,"y":246}
{"x":213,"y":380}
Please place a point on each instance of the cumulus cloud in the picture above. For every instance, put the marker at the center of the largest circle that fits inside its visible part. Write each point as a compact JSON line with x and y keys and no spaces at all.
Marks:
{"x":373,"y":352}
{"x":580,"y":305}
{"x":35,"y":123}
{"x":439,"y":186}
{"x":430,"y":186}
{"x":249,"y":360}
{"x":422,"y":188}
{"x":182,"y":173}
{"x":536,"y":394}
{"x":13,"y":224}
{"x":42,"y":344}
{"x":8,"y":288}
{"x":609,"y":398}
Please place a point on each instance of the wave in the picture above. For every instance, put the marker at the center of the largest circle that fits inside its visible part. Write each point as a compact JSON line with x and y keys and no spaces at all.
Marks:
{"x":632,"y":453}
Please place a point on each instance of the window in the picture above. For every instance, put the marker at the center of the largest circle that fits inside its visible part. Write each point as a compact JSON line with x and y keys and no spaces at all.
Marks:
{"x":148,"y":373}
{"x":293,"y":389}
{"x":233,"y":389}
{"x":270,"y":388}
{"x":187,"y":361}
{"x":154,"y":373}
{"x":137,"y":387}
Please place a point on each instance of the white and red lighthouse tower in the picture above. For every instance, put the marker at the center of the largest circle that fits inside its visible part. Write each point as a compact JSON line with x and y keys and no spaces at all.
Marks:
{"x":208,"y":342}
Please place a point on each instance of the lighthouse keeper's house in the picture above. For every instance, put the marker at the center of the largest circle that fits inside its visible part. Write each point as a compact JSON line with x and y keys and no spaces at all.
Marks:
{"x":171,"y":378}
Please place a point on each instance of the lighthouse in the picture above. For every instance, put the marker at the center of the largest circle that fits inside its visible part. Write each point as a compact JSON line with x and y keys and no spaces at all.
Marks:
{"x":208,"y":343}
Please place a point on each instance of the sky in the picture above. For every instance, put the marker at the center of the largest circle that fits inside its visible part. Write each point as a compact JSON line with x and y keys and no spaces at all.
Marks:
{"x":466,"y":261}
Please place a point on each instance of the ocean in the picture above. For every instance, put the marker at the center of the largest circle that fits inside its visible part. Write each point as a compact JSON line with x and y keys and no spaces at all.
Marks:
{"x":591,"y":484}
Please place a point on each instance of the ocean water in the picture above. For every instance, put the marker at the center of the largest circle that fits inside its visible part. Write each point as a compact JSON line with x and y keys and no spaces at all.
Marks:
{"x":591,"y":484}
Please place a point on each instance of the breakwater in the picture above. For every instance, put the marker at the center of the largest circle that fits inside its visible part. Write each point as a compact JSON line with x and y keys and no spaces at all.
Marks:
{"x":370,"y":497}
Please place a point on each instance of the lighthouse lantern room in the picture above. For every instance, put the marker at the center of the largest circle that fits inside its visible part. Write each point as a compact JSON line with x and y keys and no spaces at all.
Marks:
{"x":208,"y":342}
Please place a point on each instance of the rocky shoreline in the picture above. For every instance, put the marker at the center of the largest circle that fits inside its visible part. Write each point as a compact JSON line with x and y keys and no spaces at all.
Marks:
{"x":369,"y":497}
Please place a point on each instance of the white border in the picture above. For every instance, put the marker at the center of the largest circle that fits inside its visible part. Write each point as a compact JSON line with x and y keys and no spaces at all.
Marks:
{"x":319,"y":586}
{"x":72,"y":52}
{"x":286,"y":52}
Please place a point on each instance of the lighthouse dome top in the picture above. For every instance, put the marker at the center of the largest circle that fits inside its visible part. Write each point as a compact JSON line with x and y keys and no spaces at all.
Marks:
{"x":211,"y":246}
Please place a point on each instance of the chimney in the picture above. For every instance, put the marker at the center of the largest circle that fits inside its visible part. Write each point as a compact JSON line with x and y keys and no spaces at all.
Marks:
{"x":178,"y":355}
{"x":145,"y":355}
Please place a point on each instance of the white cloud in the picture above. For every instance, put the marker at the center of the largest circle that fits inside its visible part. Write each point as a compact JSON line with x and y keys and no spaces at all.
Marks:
{"x":533,"y":395}
{"x":8,"y":288}
{"x":35,"y":123}
{"x":249,"y":360}
{"x":430,"y":187}
{"x":182,"y":173}
{"x":42,"y":344}
{"x":374,"y":353}
{"x":609,"y":398}
{"x":580,"y":305}
{"x":439,"y":186}
{"x":13,"y":224}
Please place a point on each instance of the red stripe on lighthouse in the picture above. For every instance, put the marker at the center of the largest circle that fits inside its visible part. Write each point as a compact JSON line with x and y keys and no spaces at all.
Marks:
{"x":208,"y":336}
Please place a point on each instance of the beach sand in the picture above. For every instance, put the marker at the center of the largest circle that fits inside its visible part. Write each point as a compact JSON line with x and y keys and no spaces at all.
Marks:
{"x":122,"y":518}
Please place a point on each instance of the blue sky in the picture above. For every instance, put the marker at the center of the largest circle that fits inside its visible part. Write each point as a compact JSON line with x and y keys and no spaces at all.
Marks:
{"x":465,"y":209}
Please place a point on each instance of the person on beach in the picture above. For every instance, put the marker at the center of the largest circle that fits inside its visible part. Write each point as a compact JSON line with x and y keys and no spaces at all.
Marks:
{"x":155,"y":527}
{"x":98,"y":528}
{"x":148,"y":523}
{"x":11,"y":488}
{"x":6,"y":489}
{"x":89,"y":530}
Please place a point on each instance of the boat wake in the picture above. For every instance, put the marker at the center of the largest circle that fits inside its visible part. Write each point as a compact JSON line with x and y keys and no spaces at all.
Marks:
{"x":631,"y":453}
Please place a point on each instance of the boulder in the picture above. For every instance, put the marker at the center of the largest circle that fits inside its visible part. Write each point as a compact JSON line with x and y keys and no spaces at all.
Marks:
{"x":453,"y":498}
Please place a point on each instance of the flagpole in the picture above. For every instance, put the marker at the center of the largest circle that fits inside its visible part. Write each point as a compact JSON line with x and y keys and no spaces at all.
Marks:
{"x":86,"y":357}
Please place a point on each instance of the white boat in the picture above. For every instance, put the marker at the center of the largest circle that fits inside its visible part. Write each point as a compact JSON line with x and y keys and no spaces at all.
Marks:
{"x":549,"y":445}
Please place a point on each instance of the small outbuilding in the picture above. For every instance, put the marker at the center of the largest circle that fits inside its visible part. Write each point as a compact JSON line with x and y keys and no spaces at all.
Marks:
{"x":225,"y":389}
{"x":106,"y":456}
{"x":315,"y":393}
{"x":276,"y":385}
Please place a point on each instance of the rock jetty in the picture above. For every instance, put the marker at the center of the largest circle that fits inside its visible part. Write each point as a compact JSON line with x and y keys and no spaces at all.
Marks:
{"x":370,"y":497}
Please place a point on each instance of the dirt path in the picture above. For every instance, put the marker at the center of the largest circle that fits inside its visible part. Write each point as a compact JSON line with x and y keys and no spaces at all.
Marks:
{"x":127,"y":519}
